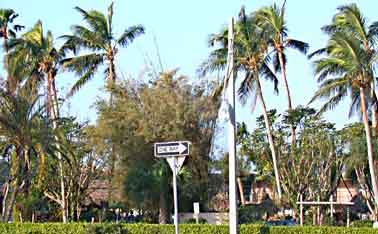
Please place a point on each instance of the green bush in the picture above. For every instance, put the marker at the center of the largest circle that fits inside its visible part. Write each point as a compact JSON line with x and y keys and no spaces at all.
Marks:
{"x":193,"y":221}
{"x":81,"y":228}
{"x":320,"y":230}
{"x":362,"y":223}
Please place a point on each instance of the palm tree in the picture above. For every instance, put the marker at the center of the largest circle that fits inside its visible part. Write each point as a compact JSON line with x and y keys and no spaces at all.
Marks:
{"x":7,"y":31}
{"x":98,"y":38}
{"x":25,"y":132}
{"x":35,"y":60}
{"x":272,"y":20}
{"x":251,"y":60}
{"x":350,"y":20}
{"x":346,"y":69}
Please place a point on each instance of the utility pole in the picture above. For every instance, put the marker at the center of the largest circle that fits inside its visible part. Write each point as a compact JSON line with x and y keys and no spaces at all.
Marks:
{"x":230,"y":82}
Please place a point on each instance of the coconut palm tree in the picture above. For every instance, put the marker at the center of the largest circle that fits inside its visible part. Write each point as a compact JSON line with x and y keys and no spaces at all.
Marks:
{"x":350,"y":20}
{"x":35,"y":61}
{"x":7,"y":31}
{"x":98,"y":38}
{"x":346,"y":70}
{"x":252,"y":61}
{"x":272,"y":20}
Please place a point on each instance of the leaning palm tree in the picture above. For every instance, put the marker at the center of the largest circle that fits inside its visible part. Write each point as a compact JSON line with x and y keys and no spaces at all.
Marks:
{"x":347,"y":70}
{"x":272,"y":20}
{"x":350,"y":20}
{"x":8,"y":31}
{"x":251,"y":60}
{"x":35,"y":61}
{"x":98,"y":38}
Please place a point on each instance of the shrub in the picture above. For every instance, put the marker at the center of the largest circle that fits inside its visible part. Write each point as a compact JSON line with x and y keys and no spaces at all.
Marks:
{"x":81,"y":228}
{"x":193,"y":221}
{"x":362,"y":223}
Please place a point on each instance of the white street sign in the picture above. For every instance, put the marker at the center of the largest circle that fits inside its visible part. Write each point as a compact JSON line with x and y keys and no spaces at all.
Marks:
{"x":175,"y":153}
{"x":171,"y":149}
{"x":196,"y":208}
{"x":176,"y":162}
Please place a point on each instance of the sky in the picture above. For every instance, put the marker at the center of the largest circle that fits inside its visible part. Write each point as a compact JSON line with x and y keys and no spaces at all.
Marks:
{"x":180,"y":30}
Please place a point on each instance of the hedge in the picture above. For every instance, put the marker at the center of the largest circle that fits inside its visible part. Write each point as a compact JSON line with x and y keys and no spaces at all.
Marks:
{"x":81,"y":228}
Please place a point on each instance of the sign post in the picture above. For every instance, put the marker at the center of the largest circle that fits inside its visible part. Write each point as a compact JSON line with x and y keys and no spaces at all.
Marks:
{"x":196,"y":211}
{"x":175,"y":154}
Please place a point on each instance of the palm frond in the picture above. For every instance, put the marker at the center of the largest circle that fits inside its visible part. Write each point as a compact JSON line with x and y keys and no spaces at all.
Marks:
{"x":130,"y":34}
{"x":318,"y":52}
{"x":373,"y":33}
{"x":81,"y":64}
{"x":217,"y":61}
{"x":332,"y":103}
{"x":247,"y":87}
{"x":355,"y":105}
{"x":331,"y":87}
{"x":298,"y":45}
{"x":268,"y":74}
{"x":83,"y":80}
{"x":96,"y":20}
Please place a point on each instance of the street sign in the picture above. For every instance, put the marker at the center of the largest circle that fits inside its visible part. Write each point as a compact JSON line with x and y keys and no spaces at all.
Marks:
{"x":175,"y":153}
{"x":175,"y":163}
{"x":171,"y":149}
{"x":196,"y":207}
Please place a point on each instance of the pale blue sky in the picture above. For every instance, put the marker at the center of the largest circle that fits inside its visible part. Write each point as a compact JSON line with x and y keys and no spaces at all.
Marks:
{"x":181,"y":29}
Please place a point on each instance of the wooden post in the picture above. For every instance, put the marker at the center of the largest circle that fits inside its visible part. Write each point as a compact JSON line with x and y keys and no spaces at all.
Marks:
{"x":241,"y":191}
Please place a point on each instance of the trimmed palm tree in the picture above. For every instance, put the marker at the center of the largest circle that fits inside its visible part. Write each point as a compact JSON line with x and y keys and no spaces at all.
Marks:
{"x":98,"y":38}
{"x":35,"y":61}
{"x":8,"y":31}
{"x":272,"y":20}
{"x":346,"y":70}
{"x":252,"y":61}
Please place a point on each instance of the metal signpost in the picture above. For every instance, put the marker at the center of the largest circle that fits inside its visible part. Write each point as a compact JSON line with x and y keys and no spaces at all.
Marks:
{"x":175,"y":154}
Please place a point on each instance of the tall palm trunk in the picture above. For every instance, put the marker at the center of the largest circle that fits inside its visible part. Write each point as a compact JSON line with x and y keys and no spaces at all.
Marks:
{"x":270,"y":138}
{"x":15,"y":185}
{"x":12,"y":201}
{"x":284,"y":76}
{"x":373,"y":96}
{"x":369,"y":146}
{"x":111,"y":82}
{"x":53,"y":110}
{"x":374,"y":108}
